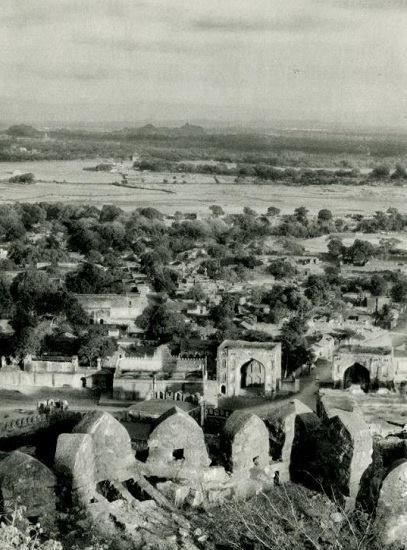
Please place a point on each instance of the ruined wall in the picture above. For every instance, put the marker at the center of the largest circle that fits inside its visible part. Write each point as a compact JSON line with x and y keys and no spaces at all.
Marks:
{"x":247,"y":443}
{"x":27,"y":382}
{"x":177,"y":439}
{"x":379,"y":365}
{"x":351,"y":452}
{"x":111,"y":443}
{"x":132,"y":388}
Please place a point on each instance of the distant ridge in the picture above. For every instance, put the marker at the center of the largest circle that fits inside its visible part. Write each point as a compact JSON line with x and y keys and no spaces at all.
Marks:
{"x":149,"y":130}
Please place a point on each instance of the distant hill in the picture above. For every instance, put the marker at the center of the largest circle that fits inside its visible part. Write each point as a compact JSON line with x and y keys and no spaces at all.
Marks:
{"x":23,"y":130}
{"x":149,"y":130}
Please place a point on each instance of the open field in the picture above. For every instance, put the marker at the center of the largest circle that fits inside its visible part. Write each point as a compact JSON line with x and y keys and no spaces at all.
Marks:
{"x":83,"y":187}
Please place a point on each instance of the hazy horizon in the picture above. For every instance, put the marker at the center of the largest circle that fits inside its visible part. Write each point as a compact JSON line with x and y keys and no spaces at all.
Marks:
{"x":236,"y":63}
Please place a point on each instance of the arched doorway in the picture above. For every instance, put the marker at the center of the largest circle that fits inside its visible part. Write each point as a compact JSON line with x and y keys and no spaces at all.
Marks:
{"x":252,"y":376}
{"x":357,"y":374}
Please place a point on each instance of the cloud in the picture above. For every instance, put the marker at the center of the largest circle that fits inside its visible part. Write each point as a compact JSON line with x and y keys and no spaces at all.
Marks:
{"x":297,"y":23}
{"x":392,"y":5}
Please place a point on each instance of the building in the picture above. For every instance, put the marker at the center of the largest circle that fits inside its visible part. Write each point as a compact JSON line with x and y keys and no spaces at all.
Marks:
{"x":248,"y":367}
{"x":157,"y":373}
{"x":369,"y":367}
{"x":46,"y":372}
{"x":116,"y":309}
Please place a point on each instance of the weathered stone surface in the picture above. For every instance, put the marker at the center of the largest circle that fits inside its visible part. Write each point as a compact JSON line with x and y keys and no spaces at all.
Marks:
{"x":114,"y":456}
{"x":247,"y":441}
{"x":25,"y":480}
{"x":391,"y":512}
{"x":281,"y":424}
{"x":75,"y":460}
{"x":351,"y":452}
{"x":177,"y":439}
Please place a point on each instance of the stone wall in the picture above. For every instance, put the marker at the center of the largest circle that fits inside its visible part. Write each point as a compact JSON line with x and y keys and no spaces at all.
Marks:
{"x":29,"y":382}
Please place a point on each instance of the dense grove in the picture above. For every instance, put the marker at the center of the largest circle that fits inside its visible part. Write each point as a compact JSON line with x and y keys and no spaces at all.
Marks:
{"x":41,"y":301}
{"x":247,"y":157}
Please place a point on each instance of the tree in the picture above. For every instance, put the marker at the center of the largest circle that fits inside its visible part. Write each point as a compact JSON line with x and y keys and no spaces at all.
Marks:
{"x":273,"y":211}
{"x":384,"y":317}
{"x":109,"y":213}
{"x":247,"y":211}
{"x":225,"y":310}
{"x":360,"y":252}
{"x":294,"y":346}
{"x":324,"y":215}
{"x":317,"y":289}
{"x":399,"y":173}
{"x":336,"y":248}
{"x":216,"y":210}
{"x":95,"y":343}
{"x":6,"y":301}
{"x":91,"y":279}
{"x":380,"y":172}
{"x":301,"y":214}
{"x":399,"y":291}
{"x":281,"y":269}
{"x":378,"y":285}
{"x":162,"y":323}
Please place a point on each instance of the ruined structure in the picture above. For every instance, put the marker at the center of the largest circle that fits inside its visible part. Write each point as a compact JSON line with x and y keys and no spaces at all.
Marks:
{"x":153,"y":375}
{"x":248,"y":367}
{"x":120,"y":309}
{"x":111,"y":444}
{"x":282,"y":425}
{"x":346,"y":445}
{"x":25,"y":479}
{"x":369,"y":367}
{"x":177,"y":441}
{"x":247,"y":443}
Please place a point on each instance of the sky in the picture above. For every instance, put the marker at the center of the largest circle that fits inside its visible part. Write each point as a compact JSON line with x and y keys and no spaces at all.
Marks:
{"x":220,"y":62}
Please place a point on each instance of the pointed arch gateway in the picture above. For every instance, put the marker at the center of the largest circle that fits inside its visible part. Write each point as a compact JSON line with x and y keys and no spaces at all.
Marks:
{"x":358,"y":375}
{"x":252,"y":375}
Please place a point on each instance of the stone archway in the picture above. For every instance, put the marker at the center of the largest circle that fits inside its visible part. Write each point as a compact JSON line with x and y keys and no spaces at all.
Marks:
{"x":357,"y":374}
{"x":252,"y":376}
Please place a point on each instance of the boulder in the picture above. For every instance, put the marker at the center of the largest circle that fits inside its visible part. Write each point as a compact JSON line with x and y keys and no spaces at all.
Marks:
{"x":391,"y":512}
{"x":26,"y":481}
{"x":114,"y":457}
